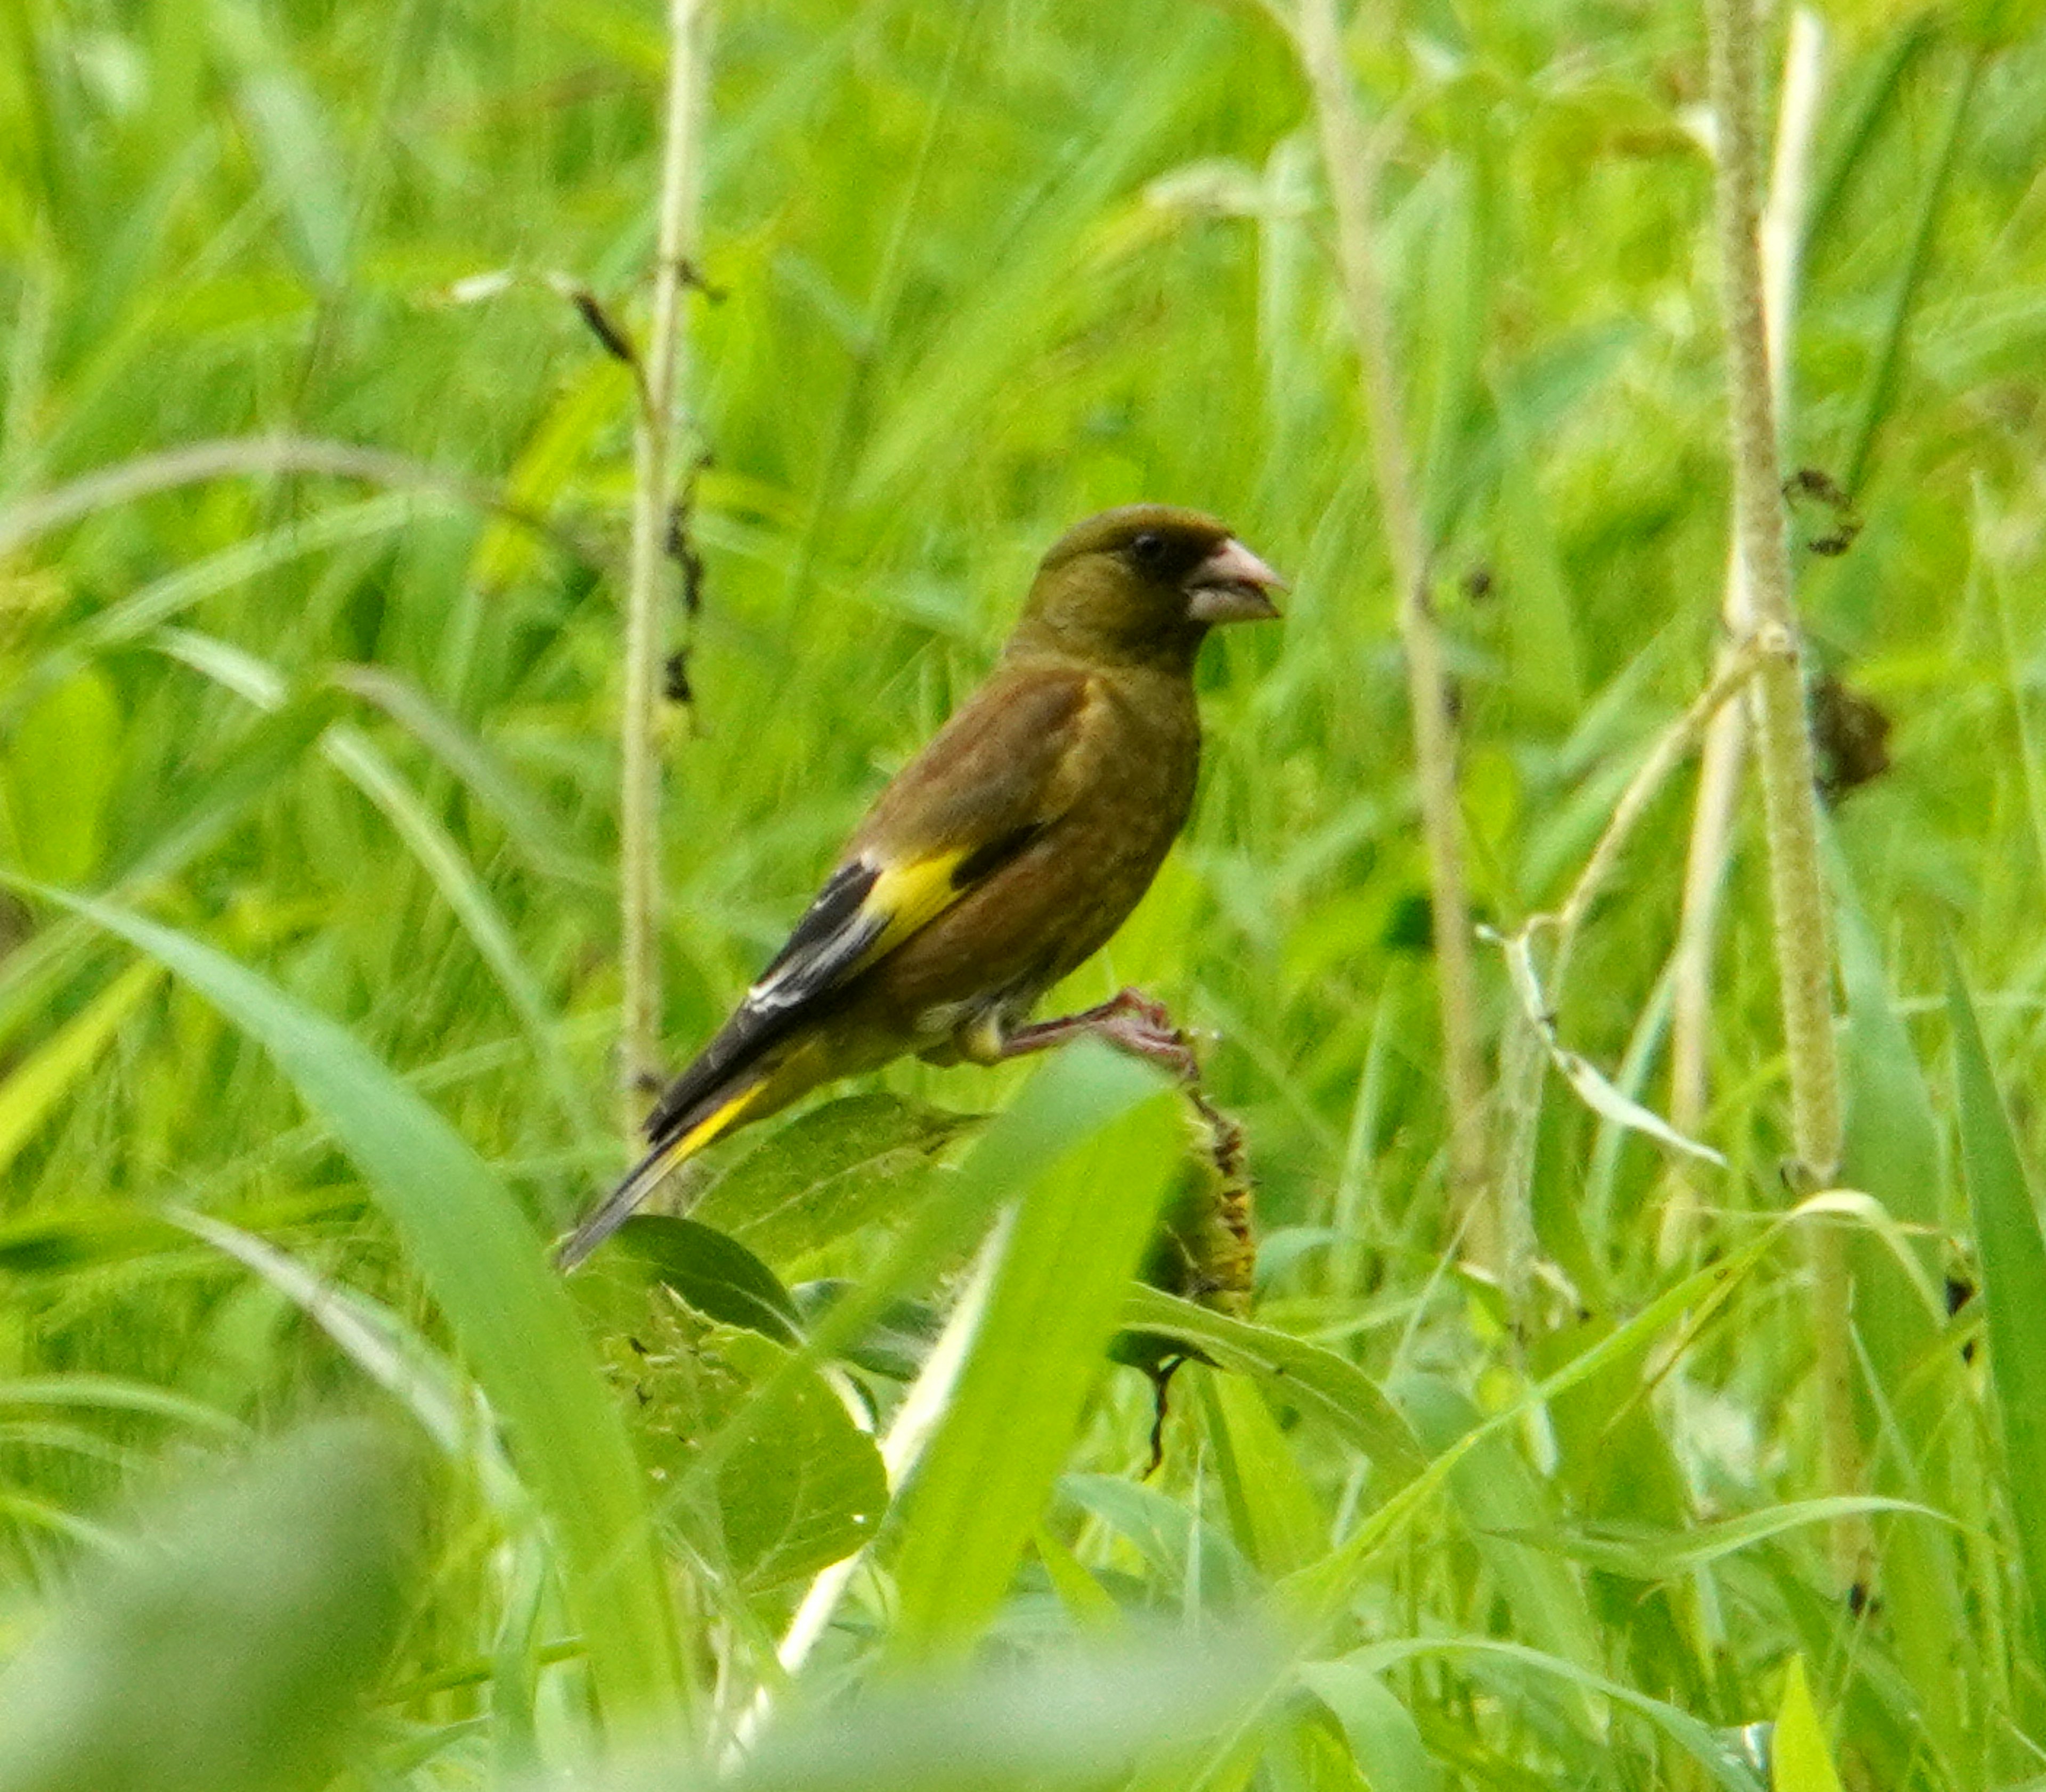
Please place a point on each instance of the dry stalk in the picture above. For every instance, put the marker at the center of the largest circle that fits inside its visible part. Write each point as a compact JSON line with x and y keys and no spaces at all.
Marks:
{"x":1529,"y":1052}
{"x":1353,"y":169}
{"x":651,"y":575}
{"x":1783,"y":744}
{"x":1725,"y":751}
{"x":1747,"y":659}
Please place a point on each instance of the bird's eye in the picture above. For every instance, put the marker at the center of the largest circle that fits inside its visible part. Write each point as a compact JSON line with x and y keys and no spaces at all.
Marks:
{"x":1149,"y":549}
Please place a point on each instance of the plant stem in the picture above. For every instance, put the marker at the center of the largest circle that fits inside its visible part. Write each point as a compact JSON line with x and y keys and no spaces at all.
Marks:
{"x":1527,"y":1054}
{"x":1783,"y":232}
{"x":1352,"y":168}
{"x":1783,"y":744}
{"x":639,"y":804}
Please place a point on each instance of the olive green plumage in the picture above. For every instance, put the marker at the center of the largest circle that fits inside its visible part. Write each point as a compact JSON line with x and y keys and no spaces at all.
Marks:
{"x":999,"y":859}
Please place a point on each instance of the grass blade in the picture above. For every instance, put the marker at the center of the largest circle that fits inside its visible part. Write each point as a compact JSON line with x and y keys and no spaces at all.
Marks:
{"x":1304,"y":1375}
{"x":487,"y":1268}
{"x":38,"y":1083}
{"x":1057,"y":1296}
{"x":2014,"y":1270}
{"x":1799,"y":1759}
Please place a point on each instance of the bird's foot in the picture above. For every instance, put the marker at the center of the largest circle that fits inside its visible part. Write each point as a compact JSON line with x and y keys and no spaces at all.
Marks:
{"x":1130,"y":1021}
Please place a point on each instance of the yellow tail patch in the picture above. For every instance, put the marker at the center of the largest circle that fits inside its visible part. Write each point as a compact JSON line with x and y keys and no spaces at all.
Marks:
{"x":719,"y":1120}
{"x":617,"y":1207}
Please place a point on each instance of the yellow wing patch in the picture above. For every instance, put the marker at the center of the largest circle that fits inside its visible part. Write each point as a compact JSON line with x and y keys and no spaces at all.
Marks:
{"x":866,"y":910}
{"x":906,"y":898}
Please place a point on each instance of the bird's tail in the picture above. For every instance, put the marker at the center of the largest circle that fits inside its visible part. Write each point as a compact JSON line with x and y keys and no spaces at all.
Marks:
{"x":670,"y":1152}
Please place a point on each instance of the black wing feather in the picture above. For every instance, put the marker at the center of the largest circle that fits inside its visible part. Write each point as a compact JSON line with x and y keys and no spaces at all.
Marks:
{"x":830,"y":937}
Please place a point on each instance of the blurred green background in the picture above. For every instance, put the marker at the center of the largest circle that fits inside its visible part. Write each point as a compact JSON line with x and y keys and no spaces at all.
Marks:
{"x":973,"y":270}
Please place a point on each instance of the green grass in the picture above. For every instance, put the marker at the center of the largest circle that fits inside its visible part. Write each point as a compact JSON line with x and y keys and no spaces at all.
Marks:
{"x":308,"y":923}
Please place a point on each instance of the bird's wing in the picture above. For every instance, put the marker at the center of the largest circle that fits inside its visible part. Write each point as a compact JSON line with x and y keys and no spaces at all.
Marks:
{"x":990,"y":782}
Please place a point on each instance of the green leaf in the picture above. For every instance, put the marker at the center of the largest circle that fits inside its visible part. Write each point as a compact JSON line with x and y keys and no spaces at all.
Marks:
{"x":1276,"y":1515}
{"x":1799,"y":1760}
{"x":1084,"y":1220}
{"x":1089,"y":1604}
{"x":799,"y":1487}
{"x":1915,"y":1375}
{"x":1498,"y":1494}
{"x":1195,"y":1562}
{"x":717,"y":1275}
{"x":1316,"y":1382}
{"x":1710,"y":1751}
{"x":56,"y":1241}
{"x":109,"y":1393}
{"x":1893,"y":1141}
{"x":807,"y":1488}
{"x":229,"y":1650}
{"x":1058,"y":1107}
{"x":828,"y":1173}
{"x":61,"y":769}
{"x":390,"y":1353}
{"x":304,"y":170}
{"x":1885,"y":374}
{"x":1383,"y":1735}
{"x":2013,"y":1269}
{"x":486,"y":1267}
{"x":529,"y":824}
{"x":1646,"y":1552}
{"x":35,"y":1086}
{"x":1321,"y":1592}
{"x":896,"y":1344}
{"x":439,"y":856}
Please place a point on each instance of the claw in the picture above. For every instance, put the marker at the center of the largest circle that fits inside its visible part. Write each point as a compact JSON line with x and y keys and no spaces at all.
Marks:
{"x":1129,"y":1020}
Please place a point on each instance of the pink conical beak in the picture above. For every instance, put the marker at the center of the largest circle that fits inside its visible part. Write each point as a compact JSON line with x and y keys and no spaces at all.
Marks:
{"x":1231,"y":586}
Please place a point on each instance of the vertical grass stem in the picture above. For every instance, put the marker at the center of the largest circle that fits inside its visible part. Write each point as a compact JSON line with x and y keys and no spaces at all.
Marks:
{"x":1783,"y":230}
{"x":1352,"y":167}
{"x":639,"y":804}
{"x":1783,"y":744}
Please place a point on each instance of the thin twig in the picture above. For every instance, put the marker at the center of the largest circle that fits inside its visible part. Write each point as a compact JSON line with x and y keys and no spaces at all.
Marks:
{"x":1745,"y":660}
{"x":1352,"y":167}
{"x":1783,"y":742}
{"x":1532,"y":1045}
{"x":106,"y":489}
{"x":639,"y":804}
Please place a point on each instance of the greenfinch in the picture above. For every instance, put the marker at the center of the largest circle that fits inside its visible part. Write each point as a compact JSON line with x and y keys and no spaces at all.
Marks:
{"x":1000,"y":858}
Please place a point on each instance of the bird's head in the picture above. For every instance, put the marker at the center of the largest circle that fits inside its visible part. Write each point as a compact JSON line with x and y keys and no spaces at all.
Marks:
{"x":1143,"y":585}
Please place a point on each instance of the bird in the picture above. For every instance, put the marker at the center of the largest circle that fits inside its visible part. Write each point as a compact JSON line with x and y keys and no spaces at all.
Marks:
{"x":999,"y":859}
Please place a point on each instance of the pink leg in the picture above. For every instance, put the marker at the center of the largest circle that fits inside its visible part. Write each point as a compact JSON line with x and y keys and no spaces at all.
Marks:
{"x":1130,"y":1022}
